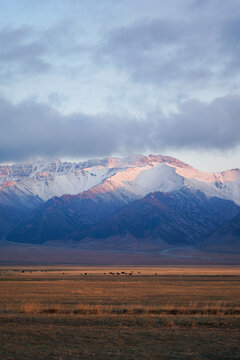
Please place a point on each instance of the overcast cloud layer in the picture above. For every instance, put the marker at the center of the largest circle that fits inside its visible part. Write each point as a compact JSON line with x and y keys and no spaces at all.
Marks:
{"x":30,"y":130}
{"x":94,"y":78}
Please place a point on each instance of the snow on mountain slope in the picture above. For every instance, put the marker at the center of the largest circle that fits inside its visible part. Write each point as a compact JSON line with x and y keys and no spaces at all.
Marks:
{"x":136,"y":182}
{"x":225,"y":185}
{"x":46,"y":181}
{"x":48,"y":185}
{"x":15,"y":196}
{"x":133,"y":176}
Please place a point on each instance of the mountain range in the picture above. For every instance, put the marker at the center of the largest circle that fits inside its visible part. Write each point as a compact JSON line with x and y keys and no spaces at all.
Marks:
{"x":138,"y":203}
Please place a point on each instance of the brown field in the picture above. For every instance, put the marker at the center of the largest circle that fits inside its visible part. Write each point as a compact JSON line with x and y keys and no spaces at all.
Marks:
{"x":71,"y":312}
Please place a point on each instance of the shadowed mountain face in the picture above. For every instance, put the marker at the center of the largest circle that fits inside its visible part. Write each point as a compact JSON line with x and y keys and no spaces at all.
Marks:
{"x":225,"y":237}
{"x":137,"y":202}
{"x":15,"y":206}
{"x":58,"y":218}
{"x":9,"y":217}
{"x":168,"y":219}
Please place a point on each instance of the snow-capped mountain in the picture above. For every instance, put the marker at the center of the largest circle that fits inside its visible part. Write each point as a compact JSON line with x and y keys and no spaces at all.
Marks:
{"x":136,"y":175}
{"x":95,"y":199}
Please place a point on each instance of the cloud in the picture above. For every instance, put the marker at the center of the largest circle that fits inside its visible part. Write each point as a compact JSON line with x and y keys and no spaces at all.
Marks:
{"x":30,"y":129}
{"x":189,"y":51}
{"x":27,"y":50}
{"x":20,"y":50}
{"x":199,"y":125}
{"x":160,"y":51}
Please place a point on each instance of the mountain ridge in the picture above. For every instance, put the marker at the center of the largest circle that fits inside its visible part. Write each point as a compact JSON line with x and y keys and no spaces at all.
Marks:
{"x":49,"y":179}
{"x":64,"y":200}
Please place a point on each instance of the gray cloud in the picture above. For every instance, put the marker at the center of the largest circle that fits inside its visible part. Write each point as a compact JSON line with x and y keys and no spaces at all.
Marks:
{"x":200,"y":125}
{"x":190,"y":51}
{"x":21,"y":50}
{"x":27,"y":50}
{"x":30,"y":129}
{"x":189,"y":45}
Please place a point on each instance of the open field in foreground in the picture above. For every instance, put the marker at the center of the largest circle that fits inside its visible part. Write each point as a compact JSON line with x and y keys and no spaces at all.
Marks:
{"x":70,"y":312}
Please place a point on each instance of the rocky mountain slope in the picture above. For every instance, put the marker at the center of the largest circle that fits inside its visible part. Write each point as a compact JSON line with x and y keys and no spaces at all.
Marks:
{"x":171,"y":219}
{"x":156,"y":198}
{"x":139,"y":175}
{"x":225,"y":237}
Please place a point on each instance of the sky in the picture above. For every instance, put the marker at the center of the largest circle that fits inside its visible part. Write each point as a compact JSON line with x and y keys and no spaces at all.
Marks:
{"x":86,"y":79}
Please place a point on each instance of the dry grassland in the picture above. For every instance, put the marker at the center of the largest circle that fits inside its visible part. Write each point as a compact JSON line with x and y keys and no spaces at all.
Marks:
{"x":64,"y":312}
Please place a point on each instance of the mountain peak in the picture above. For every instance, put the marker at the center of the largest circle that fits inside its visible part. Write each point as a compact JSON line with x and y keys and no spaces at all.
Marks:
{"x":137,"y":174}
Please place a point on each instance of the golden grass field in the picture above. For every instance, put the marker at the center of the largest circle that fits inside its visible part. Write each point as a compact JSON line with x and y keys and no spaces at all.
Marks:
{"x":71,"y":312}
